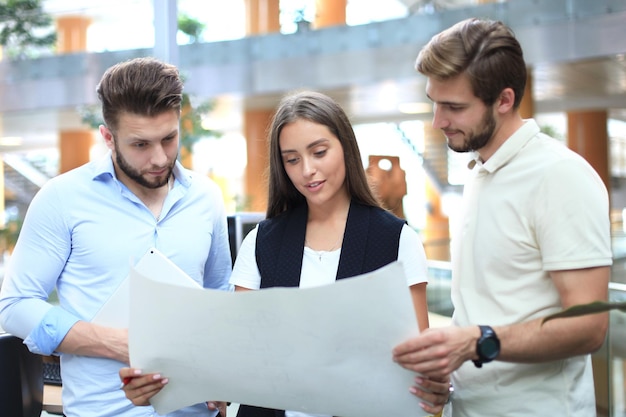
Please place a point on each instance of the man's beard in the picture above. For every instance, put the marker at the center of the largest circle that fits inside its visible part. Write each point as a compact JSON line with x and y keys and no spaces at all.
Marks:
{"x":136,"y":176}
{"x":480,"y":139}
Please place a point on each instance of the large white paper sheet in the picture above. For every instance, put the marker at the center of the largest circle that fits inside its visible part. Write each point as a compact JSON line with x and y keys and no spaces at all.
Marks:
{"x":321,"y":350}
{"x":154,"y":264}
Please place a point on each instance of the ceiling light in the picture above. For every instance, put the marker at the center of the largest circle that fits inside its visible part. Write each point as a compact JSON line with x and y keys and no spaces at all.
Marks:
{"x":415,"y":108}
{"x":10,"y":141}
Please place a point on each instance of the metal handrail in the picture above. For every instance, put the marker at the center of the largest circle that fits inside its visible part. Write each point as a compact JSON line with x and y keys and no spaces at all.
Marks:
{"x":617,"y":286}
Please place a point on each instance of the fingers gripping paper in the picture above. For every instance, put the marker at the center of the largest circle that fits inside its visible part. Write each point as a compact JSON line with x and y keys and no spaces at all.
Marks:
{"x":321,"y":350}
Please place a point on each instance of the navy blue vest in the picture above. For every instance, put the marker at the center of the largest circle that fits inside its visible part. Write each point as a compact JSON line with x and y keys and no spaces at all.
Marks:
{"x":371,"y":241}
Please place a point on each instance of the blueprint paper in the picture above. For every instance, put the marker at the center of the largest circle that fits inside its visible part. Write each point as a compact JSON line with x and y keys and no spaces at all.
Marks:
{"x":323,"y":350}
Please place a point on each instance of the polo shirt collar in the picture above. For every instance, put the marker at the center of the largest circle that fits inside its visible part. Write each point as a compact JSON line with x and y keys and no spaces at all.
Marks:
{"x":509,"y":148}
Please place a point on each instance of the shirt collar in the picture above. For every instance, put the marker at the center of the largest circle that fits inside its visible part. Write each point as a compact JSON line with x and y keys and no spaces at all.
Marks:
{"x":508,"y":149}
{"x":103,"y":169}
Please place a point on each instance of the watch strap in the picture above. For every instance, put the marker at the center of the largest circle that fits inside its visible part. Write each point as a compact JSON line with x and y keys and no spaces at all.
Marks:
{"x":486,"y":332}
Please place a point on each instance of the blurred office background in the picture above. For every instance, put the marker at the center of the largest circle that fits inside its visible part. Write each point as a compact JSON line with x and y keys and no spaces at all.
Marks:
{"x":245,"y":54}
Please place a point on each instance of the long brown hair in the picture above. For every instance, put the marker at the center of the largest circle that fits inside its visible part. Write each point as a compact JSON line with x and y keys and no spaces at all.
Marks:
{"x":321,"y":109}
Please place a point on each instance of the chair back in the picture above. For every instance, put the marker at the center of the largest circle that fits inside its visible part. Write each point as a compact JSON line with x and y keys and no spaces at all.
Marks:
{"x":21,"y":379}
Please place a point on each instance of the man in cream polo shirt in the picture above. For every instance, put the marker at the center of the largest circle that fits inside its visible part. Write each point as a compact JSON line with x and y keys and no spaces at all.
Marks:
{"x":533,"y":238}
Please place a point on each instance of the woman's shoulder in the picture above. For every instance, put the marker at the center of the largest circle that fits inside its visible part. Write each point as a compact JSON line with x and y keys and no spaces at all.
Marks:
{"x":284,"y":217}
{"x":272,"y":221}
{"x":386,"y":215}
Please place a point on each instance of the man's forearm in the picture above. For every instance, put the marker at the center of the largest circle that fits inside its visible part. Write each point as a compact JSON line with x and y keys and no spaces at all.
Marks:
{"x":535,"y":341}
{"x":89,"y":339}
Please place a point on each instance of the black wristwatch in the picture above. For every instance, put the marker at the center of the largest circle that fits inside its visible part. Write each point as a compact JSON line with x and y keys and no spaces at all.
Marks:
{"x":487,"y":346}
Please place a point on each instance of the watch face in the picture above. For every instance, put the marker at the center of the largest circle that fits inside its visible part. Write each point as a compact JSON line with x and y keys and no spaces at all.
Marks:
{"x":489,"y":348}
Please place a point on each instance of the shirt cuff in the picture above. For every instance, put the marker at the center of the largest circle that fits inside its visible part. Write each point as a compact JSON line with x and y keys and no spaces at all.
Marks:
{"x":48,"y":335}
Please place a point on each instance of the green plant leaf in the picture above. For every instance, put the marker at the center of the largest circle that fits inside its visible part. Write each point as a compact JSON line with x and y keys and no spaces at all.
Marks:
{"x":585,"y":309}
{"x":191,"y":27}
{"x":23,"y":22}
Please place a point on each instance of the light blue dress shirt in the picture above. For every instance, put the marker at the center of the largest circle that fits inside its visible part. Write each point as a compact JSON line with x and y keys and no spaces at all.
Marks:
{"x":82,"y":232}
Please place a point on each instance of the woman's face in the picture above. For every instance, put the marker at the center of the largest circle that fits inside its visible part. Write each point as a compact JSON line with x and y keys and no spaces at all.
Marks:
{"x":314,"y":161}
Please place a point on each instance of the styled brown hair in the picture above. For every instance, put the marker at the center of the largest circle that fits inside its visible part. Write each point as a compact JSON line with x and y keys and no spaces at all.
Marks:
{"x":485,"y":50}
{"x":141,"y":86}
{"x":321,"y":109}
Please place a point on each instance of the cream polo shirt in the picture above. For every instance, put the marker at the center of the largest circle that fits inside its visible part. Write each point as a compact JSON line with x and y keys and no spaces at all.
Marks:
{"x":535,"y":206}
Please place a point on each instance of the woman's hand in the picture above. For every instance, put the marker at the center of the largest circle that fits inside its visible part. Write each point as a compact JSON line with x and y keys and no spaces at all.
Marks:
{"x":140,"y":388}
{"x":434,"y":393}
{"x":218,"y":405}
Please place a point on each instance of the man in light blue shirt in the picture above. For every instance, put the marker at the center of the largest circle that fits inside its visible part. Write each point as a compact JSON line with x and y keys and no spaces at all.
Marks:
{"x":85,"y":228}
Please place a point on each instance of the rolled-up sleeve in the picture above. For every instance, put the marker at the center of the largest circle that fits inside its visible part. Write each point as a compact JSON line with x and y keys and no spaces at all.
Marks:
{"x":50,"y":332}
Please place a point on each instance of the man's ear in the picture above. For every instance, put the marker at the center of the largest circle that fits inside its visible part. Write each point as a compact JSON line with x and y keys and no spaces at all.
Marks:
{"x":506,"y":101}
{"x":107,"y":135}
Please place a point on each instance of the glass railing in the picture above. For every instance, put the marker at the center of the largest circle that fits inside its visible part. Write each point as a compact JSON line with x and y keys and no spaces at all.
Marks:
{"x":438,"y":288}
{"x":610,"y":367}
